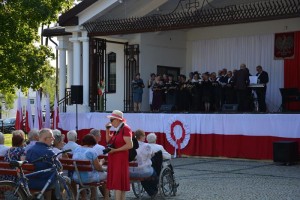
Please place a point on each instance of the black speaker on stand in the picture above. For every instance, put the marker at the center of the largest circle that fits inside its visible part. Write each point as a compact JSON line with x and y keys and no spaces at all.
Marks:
{"x":76,"y":98}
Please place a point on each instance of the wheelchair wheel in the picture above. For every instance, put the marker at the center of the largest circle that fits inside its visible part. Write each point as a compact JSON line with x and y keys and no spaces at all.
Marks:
{"x":166,"y":182}
{"x":137,"y":189}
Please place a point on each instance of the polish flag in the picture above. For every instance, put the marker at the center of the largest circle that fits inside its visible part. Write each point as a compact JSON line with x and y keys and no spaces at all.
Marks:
{"x":55,"y":114}
{"x":19,"y":116}
{"x":28,"y":122}
{"x":47,"y":123}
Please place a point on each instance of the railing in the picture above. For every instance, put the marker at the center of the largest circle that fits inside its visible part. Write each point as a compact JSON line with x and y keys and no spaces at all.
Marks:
{"x":65,"y":101}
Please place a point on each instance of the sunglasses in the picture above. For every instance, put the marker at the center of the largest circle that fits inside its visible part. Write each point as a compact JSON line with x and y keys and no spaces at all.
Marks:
{"x":112,"y":119}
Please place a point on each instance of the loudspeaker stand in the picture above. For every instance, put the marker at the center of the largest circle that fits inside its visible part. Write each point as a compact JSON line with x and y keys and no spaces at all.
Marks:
{"x":76,"y":119}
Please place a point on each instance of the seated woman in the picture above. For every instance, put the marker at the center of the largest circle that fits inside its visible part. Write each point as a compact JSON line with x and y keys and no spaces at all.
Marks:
{"x":58,"y":143}
{"x":144,"y":168}
{"x":86,"y":152}
{"x":16,"y":152}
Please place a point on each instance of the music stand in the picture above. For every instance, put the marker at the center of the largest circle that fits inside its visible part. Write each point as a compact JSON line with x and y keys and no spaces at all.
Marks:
{"x":287,"y":95}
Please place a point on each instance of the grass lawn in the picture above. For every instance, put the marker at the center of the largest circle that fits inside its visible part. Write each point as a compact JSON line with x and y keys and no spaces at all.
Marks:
{"x":7,"y":141}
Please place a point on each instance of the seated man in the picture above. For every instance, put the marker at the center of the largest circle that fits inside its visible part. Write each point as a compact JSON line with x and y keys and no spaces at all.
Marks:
{"x":41,"y":148}
{"x":72,"y":138}
{"x":33,"y":137}
{"x":151,"y":138}
{"x":144,"y":168}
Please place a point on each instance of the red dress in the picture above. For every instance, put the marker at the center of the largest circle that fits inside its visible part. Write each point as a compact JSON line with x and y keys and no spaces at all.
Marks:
{"x":118,"y":165}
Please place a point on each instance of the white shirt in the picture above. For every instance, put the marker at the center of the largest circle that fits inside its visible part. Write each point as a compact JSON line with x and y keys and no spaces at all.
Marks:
{"x":3,"y":150}
{"x":156,"y":147}
{"x":56,"y":151}
{"x":70,"y":145}
{"x":144,"y":155}
{"x":99,"y":149}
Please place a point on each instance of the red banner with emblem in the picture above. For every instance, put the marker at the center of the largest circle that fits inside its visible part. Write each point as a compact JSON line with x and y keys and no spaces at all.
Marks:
{"x":284,"y":47}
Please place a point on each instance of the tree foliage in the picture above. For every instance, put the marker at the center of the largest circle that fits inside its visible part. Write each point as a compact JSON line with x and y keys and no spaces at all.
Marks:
{"x":23,"y":62}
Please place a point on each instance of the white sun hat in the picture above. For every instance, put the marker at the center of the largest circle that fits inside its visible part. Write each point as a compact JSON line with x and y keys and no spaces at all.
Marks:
{"x":117,"y":115}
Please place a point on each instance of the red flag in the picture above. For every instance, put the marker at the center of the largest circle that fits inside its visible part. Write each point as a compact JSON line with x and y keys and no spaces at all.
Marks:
{"x":19,"y":116}
{"x":28,"y":122}
{"x":55,"y":114}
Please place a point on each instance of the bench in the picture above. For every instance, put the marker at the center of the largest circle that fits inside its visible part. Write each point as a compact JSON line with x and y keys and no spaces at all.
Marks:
{"x":77,"y":166}
{"x":85,"y":166}
{"x":5,"y":168}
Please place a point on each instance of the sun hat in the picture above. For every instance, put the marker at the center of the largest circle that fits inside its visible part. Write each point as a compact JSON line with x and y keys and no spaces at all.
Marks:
{"x":116,"y":114}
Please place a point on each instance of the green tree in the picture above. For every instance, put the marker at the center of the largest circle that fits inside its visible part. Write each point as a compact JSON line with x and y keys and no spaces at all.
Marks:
{"x":23,"y":62}
{"x":48,"y":86}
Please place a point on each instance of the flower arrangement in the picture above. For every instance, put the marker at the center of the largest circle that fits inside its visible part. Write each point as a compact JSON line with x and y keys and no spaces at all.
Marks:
{"x":101,"y":87}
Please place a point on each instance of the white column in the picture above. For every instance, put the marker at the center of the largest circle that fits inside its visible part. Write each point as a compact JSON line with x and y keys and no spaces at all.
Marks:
{"x":62,"y":66}
{"x":70,"y":65}
{"x":76,"y":58}
{"x":85,"y":67}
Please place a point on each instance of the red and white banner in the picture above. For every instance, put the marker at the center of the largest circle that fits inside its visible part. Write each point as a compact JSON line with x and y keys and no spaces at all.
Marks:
{"x":28,"y":120}
{"x":19,"y":115}
{"x":56,"y":115}
{"x":227,"y":135}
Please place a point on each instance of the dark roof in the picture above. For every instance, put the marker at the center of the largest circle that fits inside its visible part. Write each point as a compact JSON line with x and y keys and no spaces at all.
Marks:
{"x":55,"y":31}
{"x":69,"y":18}
{"x":242,"y":13}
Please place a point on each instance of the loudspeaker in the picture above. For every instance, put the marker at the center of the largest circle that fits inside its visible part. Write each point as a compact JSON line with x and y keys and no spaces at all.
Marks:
{"x":285,"y":152}
{"x":76,"y":94}
{"x":230,"y":107}
{"x":166,"y":108}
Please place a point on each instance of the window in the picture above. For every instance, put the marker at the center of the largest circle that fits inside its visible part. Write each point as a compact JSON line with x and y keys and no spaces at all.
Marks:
{"x":31,"y":101}
{"x":111,"y":72}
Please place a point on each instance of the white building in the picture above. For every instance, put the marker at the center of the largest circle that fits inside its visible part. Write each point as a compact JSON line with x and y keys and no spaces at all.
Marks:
{"x":106,"y":39}
{"x":9,"y":113}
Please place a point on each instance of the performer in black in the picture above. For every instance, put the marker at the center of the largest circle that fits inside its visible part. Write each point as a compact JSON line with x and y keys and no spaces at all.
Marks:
{"x":262,"y":78}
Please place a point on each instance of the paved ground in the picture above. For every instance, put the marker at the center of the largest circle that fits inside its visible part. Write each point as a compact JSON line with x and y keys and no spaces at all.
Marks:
{"x":214,"y":178}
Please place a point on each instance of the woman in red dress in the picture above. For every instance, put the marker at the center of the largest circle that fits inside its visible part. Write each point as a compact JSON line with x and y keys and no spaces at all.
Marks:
{"x":118,"y":165}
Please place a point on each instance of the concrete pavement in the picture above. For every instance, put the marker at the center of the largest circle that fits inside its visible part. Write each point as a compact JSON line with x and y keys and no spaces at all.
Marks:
{"x":233,"y":179}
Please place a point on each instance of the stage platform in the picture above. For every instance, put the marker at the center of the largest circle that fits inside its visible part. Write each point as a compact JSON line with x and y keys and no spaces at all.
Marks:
{"x":248,"y":136}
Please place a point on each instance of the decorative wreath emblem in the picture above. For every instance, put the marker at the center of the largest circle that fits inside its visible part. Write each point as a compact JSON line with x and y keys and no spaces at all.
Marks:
{"x":178,"y":134}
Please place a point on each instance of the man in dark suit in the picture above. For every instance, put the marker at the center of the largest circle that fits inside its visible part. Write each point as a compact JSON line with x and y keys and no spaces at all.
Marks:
{"x":241,"y":80}
{"x":262,"y":78}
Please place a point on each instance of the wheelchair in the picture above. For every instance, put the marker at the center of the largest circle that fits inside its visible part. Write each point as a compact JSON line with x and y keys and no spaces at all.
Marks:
{"x":167,"y":185}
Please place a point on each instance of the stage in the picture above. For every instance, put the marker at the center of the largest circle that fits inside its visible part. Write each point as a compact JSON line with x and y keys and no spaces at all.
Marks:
{"x":249,"y":136}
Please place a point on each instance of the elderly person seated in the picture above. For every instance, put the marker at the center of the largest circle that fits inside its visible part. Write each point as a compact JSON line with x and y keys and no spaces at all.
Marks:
{"x":33,"y":137}
{"x":42,"y":148}
{"x":151,"y":138}
{"x":16,"y":152}
{"x":86,"y":152}
{"x":98,"y":148}
{"x":144,"y":168}
{"x":72,"y":138}
{"x":3,"y":148}
{"x":58,"y":143}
